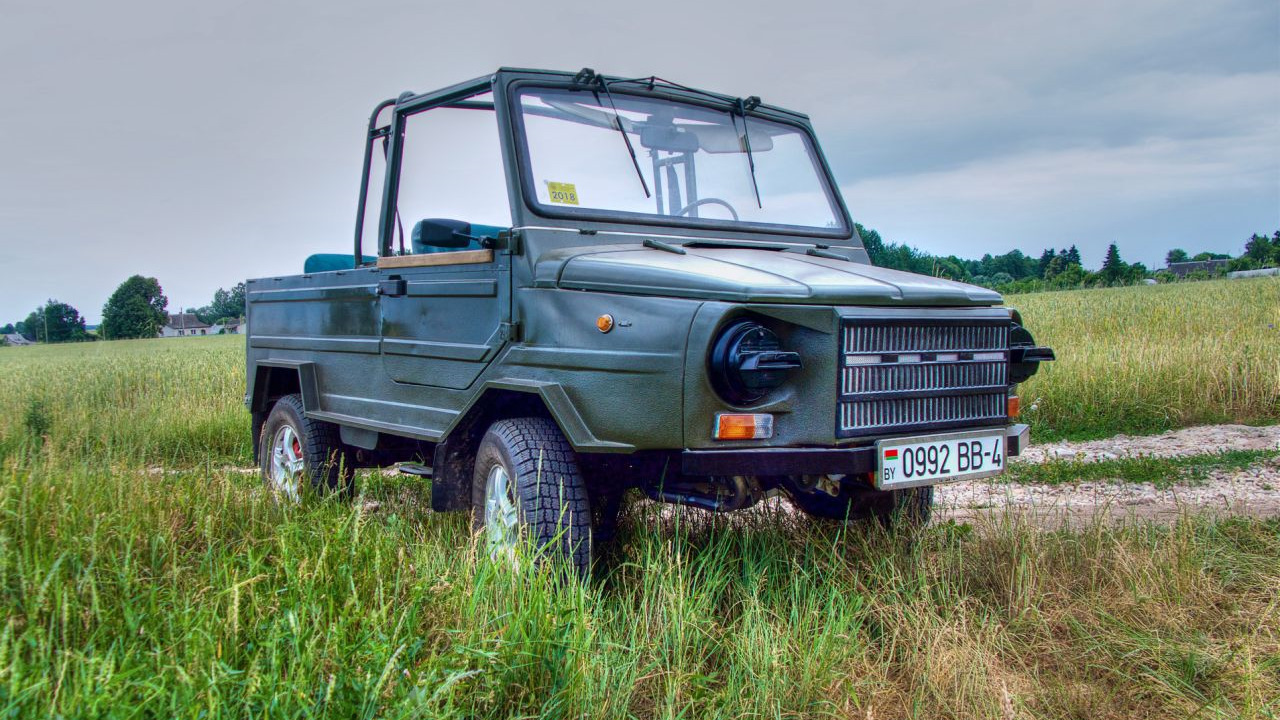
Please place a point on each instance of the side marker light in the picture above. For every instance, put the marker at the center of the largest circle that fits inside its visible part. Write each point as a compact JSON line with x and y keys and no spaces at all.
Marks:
{"x":743,"y":426}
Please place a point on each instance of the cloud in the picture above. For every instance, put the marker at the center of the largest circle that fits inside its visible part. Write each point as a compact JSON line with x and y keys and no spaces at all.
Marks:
{"x":1148,"y":196}
{"x":206,"y":143}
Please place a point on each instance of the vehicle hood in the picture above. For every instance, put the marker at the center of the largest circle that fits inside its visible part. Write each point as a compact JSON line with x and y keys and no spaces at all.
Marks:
{"x":747,"y":275}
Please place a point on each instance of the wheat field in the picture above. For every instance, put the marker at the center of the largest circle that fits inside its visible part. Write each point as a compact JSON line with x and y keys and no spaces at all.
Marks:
{"x":145,"y":573}
{"x":1149,"y":358}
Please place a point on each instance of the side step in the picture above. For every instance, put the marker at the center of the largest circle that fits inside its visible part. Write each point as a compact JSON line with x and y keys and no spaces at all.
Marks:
{"x":414,"y":469}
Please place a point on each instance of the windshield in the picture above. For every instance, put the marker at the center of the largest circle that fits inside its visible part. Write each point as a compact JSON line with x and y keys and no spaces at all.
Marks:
{"x":690,"y":161}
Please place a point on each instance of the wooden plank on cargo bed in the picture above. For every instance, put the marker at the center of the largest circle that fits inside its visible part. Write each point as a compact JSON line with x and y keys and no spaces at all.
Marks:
{"x":462,"y":257}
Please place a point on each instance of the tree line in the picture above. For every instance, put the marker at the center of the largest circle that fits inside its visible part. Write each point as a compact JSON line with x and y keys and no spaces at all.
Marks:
{"x":137,"y":309}
{"x":1054,"y":269}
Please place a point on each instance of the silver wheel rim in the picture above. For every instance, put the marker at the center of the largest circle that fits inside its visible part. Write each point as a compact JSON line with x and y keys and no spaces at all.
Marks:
{"x":501,"y":521}
{"x":285,"y":471}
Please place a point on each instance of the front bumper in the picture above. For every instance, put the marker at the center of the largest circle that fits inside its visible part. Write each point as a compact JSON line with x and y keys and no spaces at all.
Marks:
{"x":808,"y":461}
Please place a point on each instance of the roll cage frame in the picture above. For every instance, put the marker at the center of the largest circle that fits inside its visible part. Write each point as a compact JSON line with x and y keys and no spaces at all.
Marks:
{"x":526,"y":211}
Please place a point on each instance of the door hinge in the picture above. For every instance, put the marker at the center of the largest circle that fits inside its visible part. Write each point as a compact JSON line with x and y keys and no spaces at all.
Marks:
{"x":509,"y":242}
{"x":512,"y":331}
{"x":392,"y":288}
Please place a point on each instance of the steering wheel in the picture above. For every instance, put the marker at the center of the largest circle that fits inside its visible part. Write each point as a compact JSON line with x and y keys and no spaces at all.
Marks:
{"x":709,"y":201}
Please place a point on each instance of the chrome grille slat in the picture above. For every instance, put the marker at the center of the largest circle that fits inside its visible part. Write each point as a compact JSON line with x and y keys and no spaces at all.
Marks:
{"x":864,"y":339}
{"x":880,"y":414}
{"x":975,"y":389}
{"x":902,"y":377}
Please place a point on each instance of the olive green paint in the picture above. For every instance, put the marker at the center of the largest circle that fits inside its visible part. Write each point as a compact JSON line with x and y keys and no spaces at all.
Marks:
{"x":413,"y":363}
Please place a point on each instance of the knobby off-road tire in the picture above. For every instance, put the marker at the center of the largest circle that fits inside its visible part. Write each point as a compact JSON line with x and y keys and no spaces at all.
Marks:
{"x":905,"y":510}
{"x":296,"y":452}
{"x":528,"y":487}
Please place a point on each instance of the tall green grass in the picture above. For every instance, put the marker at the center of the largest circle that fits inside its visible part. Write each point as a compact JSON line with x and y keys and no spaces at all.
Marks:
{"x":142,"y":574}
{"x":174,"y":400}
{"x":138,"y":593}
{"x":1150,"y":358}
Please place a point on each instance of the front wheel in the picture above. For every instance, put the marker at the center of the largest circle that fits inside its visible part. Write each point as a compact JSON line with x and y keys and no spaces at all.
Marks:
{"x":527,"y":486}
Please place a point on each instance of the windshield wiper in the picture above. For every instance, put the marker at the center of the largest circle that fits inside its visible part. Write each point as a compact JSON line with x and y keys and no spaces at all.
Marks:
{"x":665,"y":247}
{"x":747,"y":244}
{"x":744,"y":106}
{"x":587,"y":76}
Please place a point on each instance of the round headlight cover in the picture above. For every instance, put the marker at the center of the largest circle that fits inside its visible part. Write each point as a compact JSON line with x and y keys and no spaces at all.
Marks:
{"x":747,"y":361}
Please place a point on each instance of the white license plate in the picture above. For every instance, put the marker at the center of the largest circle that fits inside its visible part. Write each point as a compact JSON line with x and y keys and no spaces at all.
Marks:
{"x":930,"y":459}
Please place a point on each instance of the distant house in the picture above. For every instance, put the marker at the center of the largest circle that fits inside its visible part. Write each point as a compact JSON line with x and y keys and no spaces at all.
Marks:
{"x":1264,"y":272}
{"x":16,"y":339}
{"x":184,"y":324}
{"x":231,"y":326}
{"x":1212,"y":267}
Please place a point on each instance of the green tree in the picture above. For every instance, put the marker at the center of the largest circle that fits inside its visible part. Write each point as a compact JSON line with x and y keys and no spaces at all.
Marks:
{"x":1244,"y":262}
{"x":1056,"y":265}
{"x":948,"y":268}
{"x":871,"y":241}
{"x":56,"y":322}
{"x":1073,"y":256}
{"x":226,"y":304}
{"x":1072,"y":276}
{"x":1015,"y":264}
{"x":1045,"y":258}
{"x":1201,"y":257}
{"x":1113,"y":268}
{"x":8,"y":329}
{"x":135,"y":310}
{"x":1175,"y":255}
{"x":1262,"y":250}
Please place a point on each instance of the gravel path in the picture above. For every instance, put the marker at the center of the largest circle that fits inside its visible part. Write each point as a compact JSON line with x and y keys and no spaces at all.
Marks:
{"x":1175,"y":443}
{"x":1252,"y":491}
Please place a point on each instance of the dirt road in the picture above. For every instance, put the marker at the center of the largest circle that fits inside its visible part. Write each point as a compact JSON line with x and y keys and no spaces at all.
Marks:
{"x":1252,"y":491}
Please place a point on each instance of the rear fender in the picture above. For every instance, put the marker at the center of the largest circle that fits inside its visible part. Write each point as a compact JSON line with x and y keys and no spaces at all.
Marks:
{"x":272,"y":380}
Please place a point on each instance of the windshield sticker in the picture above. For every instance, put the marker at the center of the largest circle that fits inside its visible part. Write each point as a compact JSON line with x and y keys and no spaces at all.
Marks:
{"x":563,"y":193}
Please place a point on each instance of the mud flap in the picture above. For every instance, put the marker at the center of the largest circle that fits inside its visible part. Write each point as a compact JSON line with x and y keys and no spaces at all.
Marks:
{"x":451,"y":479}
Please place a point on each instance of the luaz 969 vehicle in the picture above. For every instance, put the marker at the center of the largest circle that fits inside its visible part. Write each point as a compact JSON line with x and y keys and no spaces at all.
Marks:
{"x":579,"y":284}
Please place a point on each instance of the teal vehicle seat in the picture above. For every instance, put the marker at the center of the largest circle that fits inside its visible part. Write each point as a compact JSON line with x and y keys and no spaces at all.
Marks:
{"x":436,"y":235}
{"x":328,"y":262}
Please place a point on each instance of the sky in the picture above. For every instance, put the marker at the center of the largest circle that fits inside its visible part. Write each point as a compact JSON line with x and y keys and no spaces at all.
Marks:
{"x":204,"y":143}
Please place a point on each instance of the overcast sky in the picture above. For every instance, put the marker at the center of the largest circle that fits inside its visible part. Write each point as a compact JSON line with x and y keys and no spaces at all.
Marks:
{"x":203,"y":143}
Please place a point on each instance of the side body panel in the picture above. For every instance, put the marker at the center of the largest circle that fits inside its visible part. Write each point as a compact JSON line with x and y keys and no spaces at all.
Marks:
{"x":444,"y":325}
{"x":333,"y":321}
{"x":611,"y":392}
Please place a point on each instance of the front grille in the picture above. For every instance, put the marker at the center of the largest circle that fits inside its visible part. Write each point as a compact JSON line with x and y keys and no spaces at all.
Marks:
{"x":922,"y":374}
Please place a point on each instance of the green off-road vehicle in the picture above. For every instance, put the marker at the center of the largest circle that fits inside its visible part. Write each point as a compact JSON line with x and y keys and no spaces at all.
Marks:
{"x":585,"y":284}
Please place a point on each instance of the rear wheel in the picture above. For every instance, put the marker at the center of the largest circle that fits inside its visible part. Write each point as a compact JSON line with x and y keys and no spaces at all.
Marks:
{"x":528,"y":486}
{"x":296,"y":451}
{"x":906,"y":510}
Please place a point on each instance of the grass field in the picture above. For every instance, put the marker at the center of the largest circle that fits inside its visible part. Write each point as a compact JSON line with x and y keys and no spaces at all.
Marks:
{"x":142,"y":574}
{"x":1150,"y":358}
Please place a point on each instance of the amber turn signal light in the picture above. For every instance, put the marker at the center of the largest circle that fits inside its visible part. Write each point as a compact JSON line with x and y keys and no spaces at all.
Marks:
{"x":604,"y":323}
{"x":743,"y":426}
{"x":1015,"y":406}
